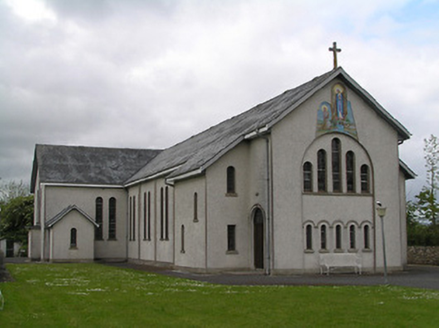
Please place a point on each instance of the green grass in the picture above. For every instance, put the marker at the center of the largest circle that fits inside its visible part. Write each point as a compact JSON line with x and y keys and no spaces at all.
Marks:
{"x":93,"y":295}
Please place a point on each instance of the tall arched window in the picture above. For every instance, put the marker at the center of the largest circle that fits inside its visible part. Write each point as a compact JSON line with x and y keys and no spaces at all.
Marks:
{"x":308,"y":232}
{"x":167,"y":213}
{"x":134,"y":218}
{"x":338,"y":236}
{"x":336,"y":165}
{"x":321,"y":170}
{"x":112,"y":218}
{"x":365,"y":188}
{"x":307,"y":177}
{"x":145,"y":217}
{"x":148,"y":219}
{"x":323,"y":235}
{"x":73,"y":238}
{"x":350,"y":171}
{"x":182,"y":239}
{"x":195,"y":207}
{"x":352,"y":237}
{"x":231,"y":180}
{"x":366,"y":233}
{"x":162,"y":216}
{"x":99,"y":208}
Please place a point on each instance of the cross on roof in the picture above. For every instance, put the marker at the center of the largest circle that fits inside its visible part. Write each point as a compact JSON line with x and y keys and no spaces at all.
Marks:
{"x":334,"y":49}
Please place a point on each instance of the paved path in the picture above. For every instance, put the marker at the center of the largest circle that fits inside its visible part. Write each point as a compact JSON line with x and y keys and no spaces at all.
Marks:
{"x":417,"y":276}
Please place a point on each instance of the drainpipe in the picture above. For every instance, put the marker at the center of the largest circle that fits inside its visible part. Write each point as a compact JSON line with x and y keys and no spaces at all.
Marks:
{"x":268,"y":213}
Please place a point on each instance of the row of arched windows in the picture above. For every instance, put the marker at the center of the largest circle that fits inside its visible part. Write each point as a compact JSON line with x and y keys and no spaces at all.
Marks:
{"x":324,"y":238}
{"x":111,"y":218}
{"x":337,"y":176}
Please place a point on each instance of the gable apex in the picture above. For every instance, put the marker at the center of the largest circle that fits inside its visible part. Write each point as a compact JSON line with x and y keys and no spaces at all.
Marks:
{"x":67,"y":210}
{"x":194,"y":155}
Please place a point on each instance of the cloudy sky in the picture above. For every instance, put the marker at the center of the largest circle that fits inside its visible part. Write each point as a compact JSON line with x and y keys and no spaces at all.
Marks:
{"x":148,"y":74}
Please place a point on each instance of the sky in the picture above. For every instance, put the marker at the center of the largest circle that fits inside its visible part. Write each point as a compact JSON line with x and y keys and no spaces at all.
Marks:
{"x":149,"y":74}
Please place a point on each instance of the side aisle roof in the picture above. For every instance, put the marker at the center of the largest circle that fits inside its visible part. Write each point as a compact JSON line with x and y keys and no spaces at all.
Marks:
{"x":87,"y":165}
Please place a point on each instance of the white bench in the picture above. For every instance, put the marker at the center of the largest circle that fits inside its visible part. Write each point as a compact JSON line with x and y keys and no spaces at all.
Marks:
{"x":338,"y":260}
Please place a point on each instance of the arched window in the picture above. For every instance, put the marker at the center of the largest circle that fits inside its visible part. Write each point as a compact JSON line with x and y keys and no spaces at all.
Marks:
{"x":350,"y":171}
{"x":195,"y":207}
{"x":112,"y":218}
{"x":98,"y":218}
{"x":323,"y":235}
{"x":149,"y":217}
{"x":308,"y":232}
{"x":352,"y":241}
{"x":145,"y":217}
{"x":336,"y":176}
{"x":307,"y":177}
{"x":365,"y":188}
{"x":73,"y":238}
{"x":321,"y":170}
{"x":134,"y":218}
{"x":162,"y":217}
{"x":366,"y":233}
{"x":338,"y":236}
{"x":231,"y":180}
{"x":182,"y":239}
{"x":167,"y":213}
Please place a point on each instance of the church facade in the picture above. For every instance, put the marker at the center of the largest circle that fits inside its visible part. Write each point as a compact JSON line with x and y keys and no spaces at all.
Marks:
{"x":270,"y":189}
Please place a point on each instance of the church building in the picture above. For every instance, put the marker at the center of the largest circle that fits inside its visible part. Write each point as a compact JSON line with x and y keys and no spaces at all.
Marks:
{"x":269,"y":190}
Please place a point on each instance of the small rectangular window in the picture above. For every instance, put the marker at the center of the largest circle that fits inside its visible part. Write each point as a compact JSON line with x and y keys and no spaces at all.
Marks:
{"x":231,"y":235}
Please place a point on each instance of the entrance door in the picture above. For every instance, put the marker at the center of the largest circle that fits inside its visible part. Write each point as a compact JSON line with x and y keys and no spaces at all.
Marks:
{"x":258,"y":238}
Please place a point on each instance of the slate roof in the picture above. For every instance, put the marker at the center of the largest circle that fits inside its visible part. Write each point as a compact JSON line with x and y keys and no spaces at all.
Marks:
{"x":200,"y":151}
{"x":87,"y":165}
{"x":67,"y":210}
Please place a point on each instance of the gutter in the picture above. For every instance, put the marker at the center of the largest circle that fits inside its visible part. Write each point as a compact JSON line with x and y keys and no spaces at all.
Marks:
{"x":154,"y":176}
{"x":171,"y":181}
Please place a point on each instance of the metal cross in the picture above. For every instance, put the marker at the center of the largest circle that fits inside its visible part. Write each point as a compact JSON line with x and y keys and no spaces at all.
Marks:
{"x":334,"y":49}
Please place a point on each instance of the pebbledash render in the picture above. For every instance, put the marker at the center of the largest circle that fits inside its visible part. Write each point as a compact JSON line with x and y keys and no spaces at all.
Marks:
{"x":268,"y":190}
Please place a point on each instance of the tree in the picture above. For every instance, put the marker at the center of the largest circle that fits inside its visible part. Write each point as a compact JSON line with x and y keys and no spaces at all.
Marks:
{"x":431,"y":155}
{"x":16,"y":215}
{"x":427,"y":201}
{"x":11,"y":190}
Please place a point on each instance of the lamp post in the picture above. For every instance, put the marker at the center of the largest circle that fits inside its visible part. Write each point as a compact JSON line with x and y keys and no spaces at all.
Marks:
{"x":381,"y":213}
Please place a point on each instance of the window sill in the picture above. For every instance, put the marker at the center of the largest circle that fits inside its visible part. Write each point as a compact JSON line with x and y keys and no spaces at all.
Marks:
{"x":309,"y":251}
{"x":112,"y":239}
{"x":195,"y":220}
{"x":367,"y":250}
{"x":146,"y":239}
{"x":234,"y":252}
{"x":338,"y":250}
{"x":182,"y":251}
{"x":73,"y":247}
{"x":352,"y":250}
{"x":231,"y":194}
{"x":323,"y":251}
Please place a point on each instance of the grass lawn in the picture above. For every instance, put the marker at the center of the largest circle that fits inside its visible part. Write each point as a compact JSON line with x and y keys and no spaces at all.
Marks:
{"x":93,"y":295}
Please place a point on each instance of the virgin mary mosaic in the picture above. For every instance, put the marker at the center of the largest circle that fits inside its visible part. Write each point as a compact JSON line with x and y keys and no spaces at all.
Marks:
{"x":336,"y":116}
